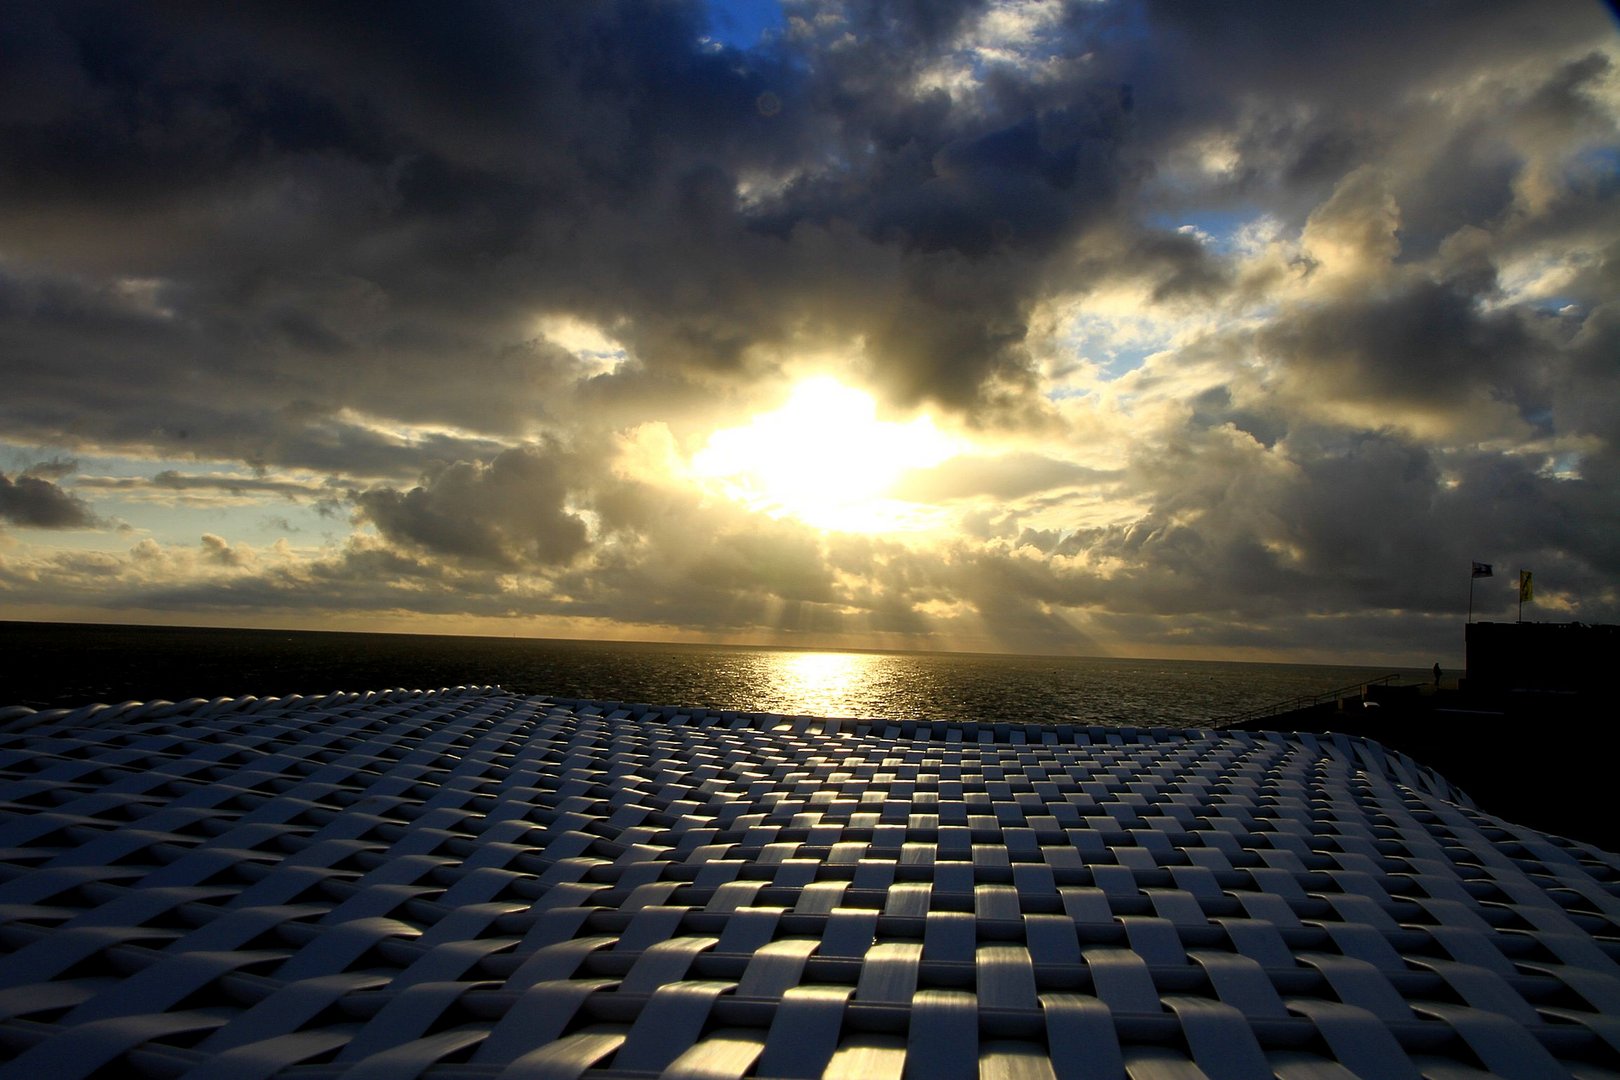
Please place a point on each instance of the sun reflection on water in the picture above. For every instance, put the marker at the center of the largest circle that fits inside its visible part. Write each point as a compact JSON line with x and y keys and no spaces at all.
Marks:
{"x":822,"y":683}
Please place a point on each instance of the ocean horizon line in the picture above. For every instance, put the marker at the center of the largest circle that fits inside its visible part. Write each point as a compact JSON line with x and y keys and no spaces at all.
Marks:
{"x":1413,"y":667}
{"x":70,"y":664}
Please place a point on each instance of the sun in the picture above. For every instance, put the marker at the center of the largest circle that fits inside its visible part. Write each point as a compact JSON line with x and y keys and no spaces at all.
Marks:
{"x":826,"y":459}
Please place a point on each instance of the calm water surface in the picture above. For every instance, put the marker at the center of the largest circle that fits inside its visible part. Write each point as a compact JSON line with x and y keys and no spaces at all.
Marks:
{"x":52,"y":664}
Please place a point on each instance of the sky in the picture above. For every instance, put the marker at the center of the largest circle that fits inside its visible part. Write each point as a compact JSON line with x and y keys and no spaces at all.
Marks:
{"x":1166,"y":328}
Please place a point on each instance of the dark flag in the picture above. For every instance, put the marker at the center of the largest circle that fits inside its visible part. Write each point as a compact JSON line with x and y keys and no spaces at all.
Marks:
{"x":1482,"y":569}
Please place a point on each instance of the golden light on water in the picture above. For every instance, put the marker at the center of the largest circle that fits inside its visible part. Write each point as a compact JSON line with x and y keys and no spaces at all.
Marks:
{"x":822,"y":683}
{"x":826,"y":459}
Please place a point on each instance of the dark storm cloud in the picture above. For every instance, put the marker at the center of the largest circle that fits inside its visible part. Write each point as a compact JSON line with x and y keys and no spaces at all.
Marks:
{"x":334,"y":208}
{"x":510,"y":512}
{"x":325,"y":205}
{"x":37,"y":503}
{"x":322,"y":204}
{"x":975,"y":199}
{"x":326,"y":238}
{"x":1309,"y":532}
{"x":673,"y":561}
{"x":1313,"y":86}
{"x":236,"y":581}
{"x":1471,"y":133}
{"x":1429,"y":343}
{"x":322,"y":185}
{"x":100,"y":365}
{"x":1336,"y":52}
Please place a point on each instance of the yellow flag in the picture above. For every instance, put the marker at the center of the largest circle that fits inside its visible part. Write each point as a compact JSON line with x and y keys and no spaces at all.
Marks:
{"x":1527,"y":591}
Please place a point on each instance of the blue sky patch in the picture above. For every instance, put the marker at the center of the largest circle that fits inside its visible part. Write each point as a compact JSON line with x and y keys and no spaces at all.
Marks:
{"x":1221,"y":226}
{"x":741,"y":23}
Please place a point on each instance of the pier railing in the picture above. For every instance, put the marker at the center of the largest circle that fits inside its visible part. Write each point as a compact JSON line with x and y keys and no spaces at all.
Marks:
{"x":1302,"y":702}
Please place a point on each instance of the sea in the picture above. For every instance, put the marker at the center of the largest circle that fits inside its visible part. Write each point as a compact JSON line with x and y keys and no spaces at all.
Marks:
{"x":52,"y":665}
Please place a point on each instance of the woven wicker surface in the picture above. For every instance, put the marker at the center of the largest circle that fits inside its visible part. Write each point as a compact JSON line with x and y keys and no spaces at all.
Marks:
{"x":469,"y":883}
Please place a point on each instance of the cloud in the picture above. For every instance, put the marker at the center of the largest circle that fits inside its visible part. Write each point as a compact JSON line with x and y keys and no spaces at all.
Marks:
{"x":40,"y":504}
{"x":54,"y":469}
{"x":1004,"y":476}
{"x":232,"y":487}
{"x":388,"y":213}
{"x":217,"y":549}
{"x":1253,"y":319}
{"x":1425,"y":345}
{"x":511,"y":511}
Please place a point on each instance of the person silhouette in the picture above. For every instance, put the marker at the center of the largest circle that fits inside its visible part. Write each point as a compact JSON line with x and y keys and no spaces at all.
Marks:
{"x":1437,"y":673}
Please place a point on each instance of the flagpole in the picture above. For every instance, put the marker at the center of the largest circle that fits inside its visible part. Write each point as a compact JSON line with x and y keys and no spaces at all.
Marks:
{"x":1476,"y":570}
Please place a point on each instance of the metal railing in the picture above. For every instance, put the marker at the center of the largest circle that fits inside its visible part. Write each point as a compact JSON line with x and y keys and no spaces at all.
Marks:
{"x":1303,"y":701}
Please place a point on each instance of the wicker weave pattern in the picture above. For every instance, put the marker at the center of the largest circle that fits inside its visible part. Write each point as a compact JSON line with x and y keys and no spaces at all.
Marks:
{"x":469,"y":883}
